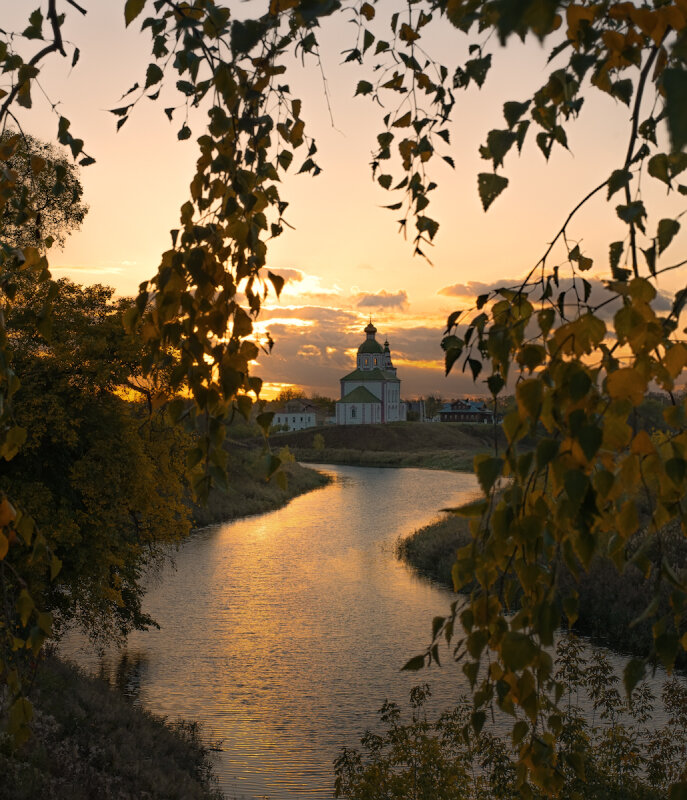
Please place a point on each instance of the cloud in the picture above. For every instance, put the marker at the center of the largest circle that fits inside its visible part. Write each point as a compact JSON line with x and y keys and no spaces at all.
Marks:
{"x":470,"y":289}
{"x":90,"y":270}
{"x":598,"y":293}
{"x":384,"y":300}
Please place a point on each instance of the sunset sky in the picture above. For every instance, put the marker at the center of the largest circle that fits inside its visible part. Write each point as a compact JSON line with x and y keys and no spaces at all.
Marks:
{"x":345,"y":260}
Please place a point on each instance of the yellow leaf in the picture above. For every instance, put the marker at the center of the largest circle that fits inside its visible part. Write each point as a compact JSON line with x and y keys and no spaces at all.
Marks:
{"x":37,"y":164}
{"x":7,"y":512}
{"x":617,"y":434}
{"x":575,"y":16}
{"x":626,"y":384}
{"x":675,"y":359}
{"x":132,"y":9}
{"x":627,"y":519}
{"x":642,"y":444}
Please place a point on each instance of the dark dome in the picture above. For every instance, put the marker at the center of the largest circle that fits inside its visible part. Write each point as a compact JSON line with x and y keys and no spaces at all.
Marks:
{"x":370,"y":328}
{"x":370,"y":346}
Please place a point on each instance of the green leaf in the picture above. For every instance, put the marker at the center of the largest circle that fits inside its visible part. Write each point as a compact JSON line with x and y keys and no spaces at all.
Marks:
{"x":35,"y":29}
{"x":650,"y":256}
{"x":619,"y":178}
{"x":675,"y":85}
{"x":512,"y":111}
{"x":427,"y":225}
{"x":490,"y":186}
{"x":153,"y":75}
{"x":499,"y":143}
{"x":477,"y":69}
{"x":667,"y":230}
{"x":634,"y":672}
{"x":132,"y":8}
{"x":277,"y":281}
{"x":666,"y":646}
{"x":590,"y":437}
{"x":616,"y":251}
{"x":364,"y":87}
{"x":623,"y":91}
{"x":245,"y":35}
{"x":520,"y":730}
{"x":488,"y":470}
{"x":264,"y":421}
{"x":495,"y":383}
{"x":576,"y":485}
{"x":632,"y":213}
{"x":517,"y":650}
{"x":403,"y":121}
{"x":658,"y":167}
{"x":415,"y":663}
{"x":547,"y":450}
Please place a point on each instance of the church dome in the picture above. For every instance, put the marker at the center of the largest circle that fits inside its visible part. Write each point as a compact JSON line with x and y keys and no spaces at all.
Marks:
{"x":370,"y":346}
{"x":370,"y":329}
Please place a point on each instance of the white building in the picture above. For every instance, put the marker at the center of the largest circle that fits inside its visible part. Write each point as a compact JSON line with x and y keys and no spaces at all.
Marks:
{"x":295,"y":416}
{"x":372,"y":392}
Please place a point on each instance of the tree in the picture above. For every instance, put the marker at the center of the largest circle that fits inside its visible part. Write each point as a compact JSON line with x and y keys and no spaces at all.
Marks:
{"x":569,"y":492}
{"x":101,"y":476}
{"x":432,"y":406}
{"x":49,"y":186}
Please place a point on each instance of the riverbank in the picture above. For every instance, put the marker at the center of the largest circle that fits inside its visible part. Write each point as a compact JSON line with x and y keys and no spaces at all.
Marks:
{"x":249,"y":493}
{"x":446,"y":445}
{"x":88,"y":741}
{"x":608,"y":600}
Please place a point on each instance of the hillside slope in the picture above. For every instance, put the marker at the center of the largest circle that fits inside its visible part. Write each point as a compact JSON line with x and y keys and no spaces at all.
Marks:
{"x":403,"y":444}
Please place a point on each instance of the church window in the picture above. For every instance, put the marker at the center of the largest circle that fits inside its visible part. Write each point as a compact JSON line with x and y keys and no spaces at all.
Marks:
{"x":375,"y":362}
{"x":353,"y":412}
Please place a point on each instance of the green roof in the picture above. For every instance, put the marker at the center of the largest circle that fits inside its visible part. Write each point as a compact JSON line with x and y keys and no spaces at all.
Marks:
{"x":370,"y":346}
{"x":360,"y":395}
{"x":371,"y":375}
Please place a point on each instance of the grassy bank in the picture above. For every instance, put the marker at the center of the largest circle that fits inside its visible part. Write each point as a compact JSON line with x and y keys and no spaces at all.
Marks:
{"x":249,"y":492}
{"x":402,"y":444}
{"x":609,"y":600}
{"x":90,"y":742}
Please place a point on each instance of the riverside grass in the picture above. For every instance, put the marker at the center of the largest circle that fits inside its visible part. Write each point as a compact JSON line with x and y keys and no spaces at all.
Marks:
{"x":249,"y":493}
{"x":445,"y":445}
{"x":608,"y":600}
{"x":88,"y":741}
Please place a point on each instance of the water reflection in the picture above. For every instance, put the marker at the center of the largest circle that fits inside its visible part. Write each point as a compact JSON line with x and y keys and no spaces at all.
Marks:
{"x":284,"y":633}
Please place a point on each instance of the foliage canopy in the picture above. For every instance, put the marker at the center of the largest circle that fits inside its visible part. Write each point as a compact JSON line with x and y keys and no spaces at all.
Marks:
{"x":578,"y":372}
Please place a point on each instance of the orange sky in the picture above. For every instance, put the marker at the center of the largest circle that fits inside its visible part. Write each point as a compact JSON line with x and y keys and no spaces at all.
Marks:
{"x":345,"y":259}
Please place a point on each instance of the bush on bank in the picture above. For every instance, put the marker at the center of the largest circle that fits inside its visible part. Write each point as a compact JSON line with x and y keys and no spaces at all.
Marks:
{"x":608,"y":749}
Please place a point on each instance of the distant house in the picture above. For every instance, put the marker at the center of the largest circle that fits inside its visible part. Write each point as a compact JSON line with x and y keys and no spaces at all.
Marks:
{"x":372,"y":392}
{"x":297,"y":415}
{"x":466,"y":411}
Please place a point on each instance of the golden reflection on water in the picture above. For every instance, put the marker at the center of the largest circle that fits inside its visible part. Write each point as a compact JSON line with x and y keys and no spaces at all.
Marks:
{"x":284,"y":633}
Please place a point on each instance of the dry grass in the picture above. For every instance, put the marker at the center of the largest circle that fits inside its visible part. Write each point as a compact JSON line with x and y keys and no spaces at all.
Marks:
{"x":250,"y":493}
{"x":609,"y":600}
{"x":90,"y":742}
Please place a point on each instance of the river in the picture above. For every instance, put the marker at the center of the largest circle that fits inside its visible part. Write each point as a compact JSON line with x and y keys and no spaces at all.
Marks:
{"x":283,"y":633}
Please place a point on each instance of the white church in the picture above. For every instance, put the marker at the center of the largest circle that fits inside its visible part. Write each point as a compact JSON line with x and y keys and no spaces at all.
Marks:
{"x":372,"y":392}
